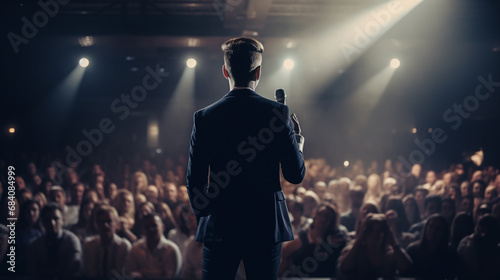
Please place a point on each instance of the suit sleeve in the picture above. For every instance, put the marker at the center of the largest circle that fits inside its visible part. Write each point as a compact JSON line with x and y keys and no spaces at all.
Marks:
{"x":197,"y":171}
{"x":291,"y":158}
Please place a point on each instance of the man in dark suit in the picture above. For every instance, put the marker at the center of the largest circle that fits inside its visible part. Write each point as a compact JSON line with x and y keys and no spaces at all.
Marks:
{"x":233,"y":176}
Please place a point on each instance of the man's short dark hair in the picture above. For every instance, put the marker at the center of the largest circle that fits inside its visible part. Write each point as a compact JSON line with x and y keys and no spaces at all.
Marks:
{"x":49,"y":208}
{"x":242,"y":56}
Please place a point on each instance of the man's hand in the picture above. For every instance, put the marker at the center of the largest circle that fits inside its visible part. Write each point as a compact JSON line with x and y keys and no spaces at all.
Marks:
{"x":296,"y":125}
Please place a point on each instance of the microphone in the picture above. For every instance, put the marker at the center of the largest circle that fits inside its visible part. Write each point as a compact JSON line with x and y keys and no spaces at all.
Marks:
{"x":280,"y":96}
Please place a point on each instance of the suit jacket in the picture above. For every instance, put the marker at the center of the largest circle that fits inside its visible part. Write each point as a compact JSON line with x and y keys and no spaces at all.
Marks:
{"x":233,"y":176}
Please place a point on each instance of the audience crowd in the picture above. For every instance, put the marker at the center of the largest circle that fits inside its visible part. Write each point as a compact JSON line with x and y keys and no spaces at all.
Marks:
{"x":132,"y":217}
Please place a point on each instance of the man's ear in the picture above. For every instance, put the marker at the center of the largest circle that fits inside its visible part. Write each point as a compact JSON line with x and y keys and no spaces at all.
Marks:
{"x":257,"y":73}
{"x":224,"y":72}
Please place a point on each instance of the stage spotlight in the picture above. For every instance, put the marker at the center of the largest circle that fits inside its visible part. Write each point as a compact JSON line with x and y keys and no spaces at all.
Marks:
{"x":395,"y":63}
{"x":414,"y":130}
{"x":346,"y":163}
{"x":288,"y":64}
{"x":12,"y":130}
{"x":191,"y":63}
{"x":84,"y":62}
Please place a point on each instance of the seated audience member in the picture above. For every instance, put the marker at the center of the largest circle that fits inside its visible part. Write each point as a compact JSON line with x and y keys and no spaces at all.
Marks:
{"x":433,"y":205}
{"x":296,"y":209}
{"x":420,"y":195}
{"x":310,"y":201}
{"x":171,"y":195}
{"x":85,"y":226}
{"x":348,"y":219}
{"x":186,"y":228}
{"x":167,"y":217}
{"x":439,"y":188}
{"x":403,"y":238}
{"x":448,"y":210}
{"x":77,"y":190}
{"x":70,"y":213}
{"x":153,"y":256}
{"x":139,"y":183}
{"x":41,"y":198}
{"x":480,"y":252}
{"x":410,"y":181}
{"x":367,"y":208}
{"x":110,"y":191}
{"x":478,"y":188}
{"x":299,"y":191}
{"x":183,"y":196}
{"x":57,"y":253}
{"x":432,"y":256}
{"x":24,"y":195}
{"x":465,"y":189}
{"x":143,"y":209}
{"x":320,"y":190}
{"x":490,"y":194}
{"x":430,"y":180}
{"x":411,"y":209}
{"x":341,"y":195}
{"x":374,"y":188}
{"x":124,"y":205}
{"x":322,"y":239}
{"x":463,"y":225}
{"x":105,"y":252}
{"x":152,"y":194}
{"x":91,"y":194}
{"x":467,"y":204}
{"x":28,"y":229}
{"x":388,"y":184}
{"x":455,"y":195}
{"x":374,"y":252}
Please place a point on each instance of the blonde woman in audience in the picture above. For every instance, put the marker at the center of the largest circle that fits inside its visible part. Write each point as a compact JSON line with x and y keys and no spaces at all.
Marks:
{"x":139,"y":183}
{"x":439,"y":188}
{"x":374,"y":188}
{"x":124,"y":204}
{"x":40,"y":197}
{"x":342,"y":198}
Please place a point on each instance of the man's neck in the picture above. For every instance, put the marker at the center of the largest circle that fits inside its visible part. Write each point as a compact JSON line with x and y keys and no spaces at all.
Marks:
{"x":250,"y":85}
{"x":106,"y":239}
{"x":152,"y":243}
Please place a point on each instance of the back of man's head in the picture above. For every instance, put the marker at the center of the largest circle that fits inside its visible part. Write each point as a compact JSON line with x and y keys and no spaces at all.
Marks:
{"x":241,"y":57}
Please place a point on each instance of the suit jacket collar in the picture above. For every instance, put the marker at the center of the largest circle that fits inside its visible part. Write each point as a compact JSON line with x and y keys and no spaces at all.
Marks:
{"x":241,"y":92}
